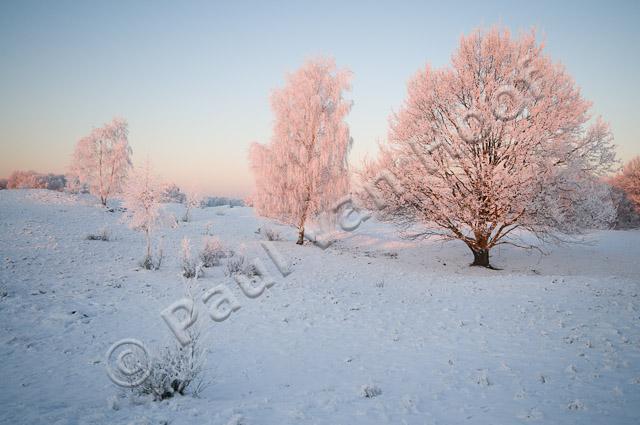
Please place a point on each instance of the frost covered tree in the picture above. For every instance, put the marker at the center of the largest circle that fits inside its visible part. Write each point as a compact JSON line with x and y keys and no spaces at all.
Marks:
{"x":141,"y":197}
{"x":172,"y":193}
{"x":303,"y":171}
{"x":628,"y":180}
{"x":191,"y":200}
{"x":32,"y":180}
{"x":102,"y":160}
{"x":626,"y":186}
{"x":496,"y":143}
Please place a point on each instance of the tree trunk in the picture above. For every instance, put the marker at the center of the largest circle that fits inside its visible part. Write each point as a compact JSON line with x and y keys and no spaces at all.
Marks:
{"x":480,"y":257}
{"x":148,"y":243}
{"x":301,"y":224}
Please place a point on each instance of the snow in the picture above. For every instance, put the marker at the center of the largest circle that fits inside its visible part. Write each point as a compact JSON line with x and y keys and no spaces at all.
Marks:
{"x":372,"y":330}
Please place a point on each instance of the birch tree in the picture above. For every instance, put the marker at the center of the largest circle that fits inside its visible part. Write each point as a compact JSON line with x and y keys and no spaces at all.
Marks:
{"x":141,"y":198}
{"x":303,"y":171}
{"x":102,"y":160}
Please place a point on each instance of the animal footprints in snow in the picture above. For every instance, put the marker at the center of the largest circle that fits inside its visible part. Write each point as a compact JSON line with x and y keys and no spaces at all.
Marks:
{"x":482,"y":378}
{"x":531,"y":415}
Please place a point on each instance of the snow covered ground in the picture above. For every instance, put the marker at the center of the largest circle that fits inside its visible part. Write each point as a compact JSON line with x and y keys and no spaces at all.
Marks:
{"x":548,"y":339}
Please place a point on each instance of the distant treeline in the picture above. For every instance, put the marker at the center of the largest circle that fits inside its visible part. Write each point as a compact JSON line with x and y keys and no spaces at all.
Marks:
{"x":33,"y":180}
{"x":216,"y":201}
{"x":172,"y":193}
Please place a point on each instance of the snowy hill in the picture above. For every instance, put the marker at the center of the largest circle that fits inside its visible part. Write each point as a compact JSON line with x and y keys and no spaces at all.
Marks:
{"x":372,"y":330}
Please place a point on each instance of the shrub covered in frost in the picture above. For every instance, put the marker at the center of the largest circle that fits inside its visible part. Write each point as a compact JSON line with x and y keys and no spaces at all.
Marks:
{"x":175,"y":370}
{"x":370,"y":391}
{"x":190,"y":267}
{"x":212,"y":252}
{"x":239,"y":264}
{"x":172,"y":193}
{"x":627,"y":216}
{"x":269,"y":234}
{"x":102,"y":235}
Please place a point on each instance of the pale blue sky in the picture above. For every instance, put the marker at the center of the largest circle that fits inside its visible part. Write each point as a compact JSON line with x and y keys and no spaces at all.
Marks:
{"x":194,"y":79}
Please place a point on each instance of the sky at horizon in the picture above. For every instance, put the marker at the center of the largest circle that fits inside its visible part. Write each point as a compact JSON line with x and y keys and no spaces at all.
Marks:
{"x":194,"y":79}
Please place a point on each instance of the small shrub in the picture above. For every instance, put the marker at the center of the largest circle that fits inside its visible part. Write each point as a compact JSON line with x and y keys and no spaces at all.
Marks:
{"x":173,"y":372}
{"x":102,"y":235}
{"x":172,"y":193}
{"x":370,"y":391}
{"x":176,"y":370}
{"x":270,"y":234}
{"x":208,"y":229}
{"x":151,"y":263}
{"x":170,"y":220}
{"x":239,"y":264}
{"x":212,"y":252}
{"x":190,"y":268}
{"x":235,"y":265}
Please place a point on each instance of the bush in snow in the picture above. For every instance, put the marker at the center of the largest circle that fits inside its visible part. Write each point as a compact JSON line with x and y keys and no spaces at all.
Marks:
{"x":176,"y":370}
{"x":73,"y":184}
{"x":208,"y":229}
{"x":55,"y":182}
{"x":212,"y":252}
{"x":169,"y":220}
{"x":172,"y":193}
{"x":190,"y":268}
{"x":269,"y":234}
{"x":3,"y":183}
{"x":102,"y":235}
{"x":370,"y":391}
{"x":239,"y":264}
